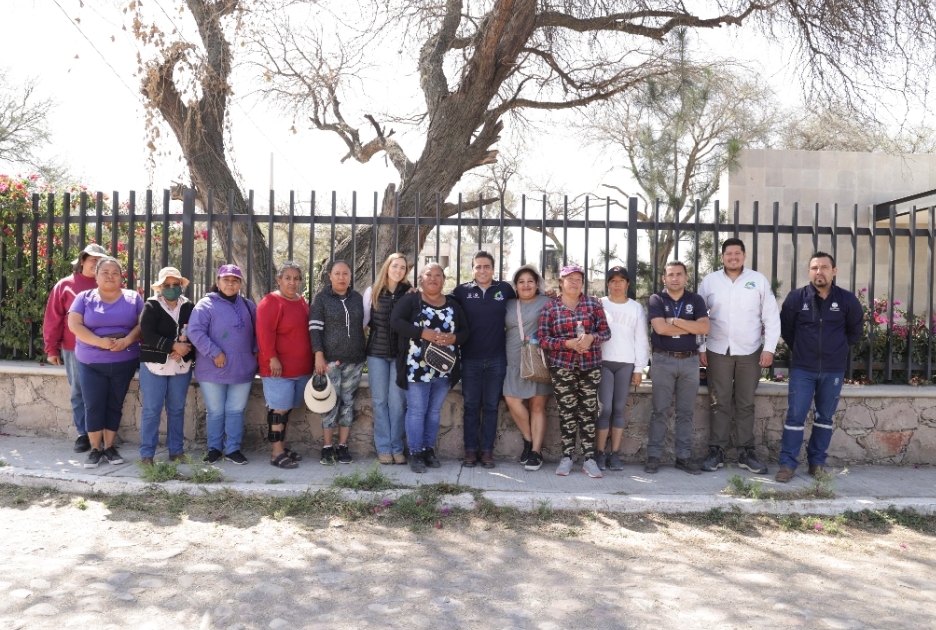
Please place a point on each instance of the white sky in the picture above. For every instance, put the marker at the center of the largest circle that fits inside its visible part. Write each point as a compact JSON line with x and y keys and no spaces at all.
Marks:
{"x":98,"y":126}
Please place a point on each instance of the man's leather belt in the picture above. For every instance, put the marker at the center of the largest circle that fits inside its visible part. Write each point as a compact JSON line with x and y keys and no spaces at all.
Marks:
{"x":677,"y":355}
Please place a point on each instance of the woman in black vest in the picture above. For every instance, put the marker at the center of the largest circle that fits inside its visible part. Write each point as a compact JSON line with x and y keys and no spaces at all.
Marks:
{"x":165,"y":364}
{"x":387,"y":399}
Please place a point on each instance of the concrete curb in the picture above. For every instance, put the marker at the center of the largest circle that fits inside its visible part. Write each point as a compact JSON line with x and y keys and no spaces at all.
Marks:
{"x":78,"y":483}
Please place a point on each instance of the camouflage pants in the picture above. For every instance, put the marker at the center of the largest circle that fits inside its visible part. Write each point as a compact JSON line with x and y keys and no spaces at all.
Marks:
{"x":577,"y":396}
{"x":345,"y":378}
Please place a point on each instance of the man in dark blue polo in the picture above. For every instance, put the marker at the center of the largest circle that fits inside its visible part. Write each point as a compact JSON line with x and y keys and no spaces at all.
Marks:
{"x":484,"y":357}
{"x":678,"y":316}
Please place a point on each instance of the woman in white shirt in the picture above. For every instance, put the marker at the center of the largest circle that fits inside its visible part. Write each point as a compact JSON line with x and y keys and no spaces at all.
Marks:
{"x":623,"y":358}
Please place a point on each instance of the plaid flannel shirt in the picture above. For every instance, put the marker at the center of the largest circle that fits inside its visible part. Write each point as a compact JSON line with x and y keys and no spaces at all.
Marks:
{"x":557,"y":325}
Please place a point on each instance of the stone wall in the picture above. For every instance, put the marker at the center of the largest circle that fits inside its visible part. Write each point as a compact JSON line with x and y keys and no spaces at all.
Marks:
{"x":882,"y":424}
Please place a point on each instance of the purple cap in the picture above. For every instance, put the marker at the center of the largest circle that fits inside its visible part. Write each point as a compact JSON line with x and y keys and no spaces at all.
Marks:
{"x":230,"y":270}
{"x":568,"y":269}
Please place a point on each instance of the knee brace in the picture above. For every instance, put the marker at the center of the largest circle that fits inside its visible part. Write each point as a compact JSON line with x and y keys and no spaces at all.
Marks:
{"x":275,"y":419}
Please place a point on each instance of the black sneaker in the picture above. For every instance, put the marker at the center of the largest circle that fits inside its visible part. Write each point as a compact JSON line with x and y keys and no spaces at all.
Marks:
{"x":614,"y":462}
{"x":601,"y":458}
{"x":236,"y":457}
{"x":715,"y":459}
{"x":94,"y":458}
{"x":652,"y":465}
{"x":328,"y":456}
{"x":527,"y":449}
{"x":748,"y":459}
{"x":689,"y":465}
{"x":82,"y":444}
{"x":429,"y":457}
{"x":343,"y":455}
{"x":213,"y":456}
{"x":416,"y":462}
{"x":111,"y":455}
{"x":534,"y":462}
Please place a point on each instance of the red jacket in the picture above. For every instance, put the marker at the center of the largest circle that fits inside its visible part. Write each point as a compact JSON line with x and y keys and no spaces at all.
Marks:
{"x":55,"y":330}
{"x":283,"y":332}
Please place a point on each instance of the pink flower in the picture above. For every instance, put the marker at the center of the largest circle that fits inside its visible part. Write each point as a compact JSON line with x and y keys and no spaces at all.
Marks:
{"x":387,"y":502}
{"x":4,"y":187}
{"x":817,"y":526}
{"x":34,"y":177}
{"x":896,"y":302}
{"x":446,"y":511}
{"x":864,"y":289}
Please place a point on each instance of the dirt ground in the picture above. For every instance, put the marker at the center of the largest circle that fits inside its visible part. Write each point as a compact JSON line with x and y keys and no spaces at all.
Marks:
{"x":227,"y":561}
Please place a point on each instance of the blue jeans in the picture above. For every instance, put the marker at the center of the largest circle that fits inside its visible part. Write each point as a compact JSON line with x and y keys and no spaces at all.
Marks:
{"x":482,"y":386}
{"x":74,"y":382}
{"x":158,"y":392}
{"x":389,"y":404}
{"x":423,"y":404}
{"x":225,"y":405}
{"x":104,"y":387}
{"x":804,"y":387}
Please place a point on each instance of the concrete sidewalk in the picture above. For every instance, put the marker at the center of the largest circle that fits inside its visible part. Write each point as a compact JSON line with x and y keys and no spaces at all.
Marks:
{"x":45,"y":462}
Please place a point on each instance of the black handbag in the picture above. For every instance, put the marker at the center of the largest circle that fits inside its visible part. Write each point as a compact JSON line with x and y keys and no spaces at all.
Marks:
{"x":439,"y":358}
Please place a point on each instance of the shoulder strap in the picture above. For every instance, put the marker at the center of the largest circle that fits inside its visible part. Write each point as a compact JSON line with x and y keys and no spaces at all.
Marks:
{"x":520,"y":321}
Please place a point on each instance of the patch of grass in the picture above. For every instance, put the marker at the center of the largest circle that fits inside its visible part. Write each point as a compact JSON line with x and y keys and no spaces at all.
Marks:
{"x":373,"y":480}
{"x":160,"y":472}
{"x":544,"y":511}
{"x":153,"y":500}
{"x":739,"y":486}
{"x":81,"y":504}
{"x":274,"y":482}
{"x":881,"y":519}
{"x":831,"y":525}
{"x":320,"y":502}
{"x":3,"y":463}
{"x":200,"y":472}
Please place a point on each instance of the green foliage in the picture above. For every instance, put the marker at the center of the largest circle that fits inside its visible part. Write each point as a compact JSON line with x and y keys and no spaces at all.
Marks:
{"x":743,"y":487}
{"x":160,"y":472}
{"x":890,"y":332}
{"x":200,"y":472}
{"x":372,"y":480}
{"x":273,"y":482}
{"x":3,"y":463}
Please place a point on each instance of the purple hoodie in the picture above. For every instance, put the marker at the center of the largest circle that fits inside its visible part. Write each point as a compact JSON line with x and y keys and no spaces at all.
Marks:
{"x":218,"y":326}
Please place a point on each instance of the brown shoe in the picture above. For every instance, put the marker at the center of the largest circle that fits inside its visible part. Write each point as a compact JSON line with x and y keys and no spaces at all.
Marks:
{"x":817,"y":471}
{"x":385,"y":458}
{"x":471,"y":459}
{"x":487,"y":459}
{"x":146,"y":461}
{"x":399,"y":458}
{"x":785,"y":474}
{"x":178,"y":457}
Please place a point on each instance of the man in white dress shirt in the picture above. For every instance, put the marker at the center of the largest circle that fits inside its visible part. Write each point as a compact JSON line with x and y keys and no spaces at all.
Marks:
{"x":743,"y":335}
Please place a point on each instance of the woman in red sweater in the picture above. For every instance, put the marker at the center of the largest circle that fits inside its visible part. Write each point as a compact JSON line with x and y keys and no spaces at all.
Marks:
{"x":285,"y":357}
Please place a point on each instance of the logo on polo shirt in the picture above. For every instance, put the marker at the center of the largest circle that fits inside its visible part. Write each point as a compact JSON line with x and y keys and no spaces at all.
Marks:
{"x":805,"y":306}
{"x":499,"y":296}
{"x":689,"y":309}
{"x":834,"y":307}
{"x":750,"y":284}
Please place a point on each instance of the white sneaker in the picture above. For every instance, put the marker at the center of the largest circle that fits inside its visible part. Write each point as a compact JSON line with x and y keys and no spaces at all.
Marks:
{"x":590,"y":468}
{"x":565,"y":467}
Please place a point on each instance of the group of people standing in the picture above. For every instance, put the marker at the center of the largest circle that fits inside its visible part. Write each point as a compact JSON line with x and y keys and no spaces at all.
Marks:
{"x":418,"y":342}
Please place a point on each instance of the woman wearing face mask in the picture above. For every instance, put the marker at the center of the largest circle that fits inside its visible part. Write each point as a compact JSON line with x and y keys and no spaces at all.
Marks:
{"x":165,"y":364}
{"x":222,"y":331}
{"x":336,"y":327}
{"x":285,"y":357}
{"x":387,"y":399}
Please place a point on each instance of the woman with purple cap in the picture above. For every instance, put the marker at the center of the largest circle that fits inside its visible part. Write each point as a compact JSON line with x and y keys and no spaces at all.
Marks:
{"x":222,"y":331}
{"x":105,"y":322}
{"x":572,"y":328}
{"x":165,"y":364}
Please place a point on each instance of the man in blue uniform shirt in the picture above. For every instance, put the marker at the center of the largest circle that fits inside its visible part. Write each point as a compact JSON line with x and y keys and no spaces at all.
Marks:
{"x":818,"y":322}
{"x":484,"y":357}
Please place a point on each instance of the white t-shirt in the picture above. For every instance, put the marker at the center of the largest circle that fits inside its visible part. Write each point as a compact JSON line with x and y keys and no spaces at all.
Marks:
{"x":629,"y":341}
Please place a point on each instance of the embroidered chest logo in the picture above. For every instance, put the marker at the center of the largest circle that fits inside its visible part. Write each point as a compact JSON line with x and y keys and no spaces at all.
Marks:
{"x":689,"y":309}
{"x":750,"y":284}
{"x":805,"y":306}
{"x":499,"y":296}
{"x":834,"y":307}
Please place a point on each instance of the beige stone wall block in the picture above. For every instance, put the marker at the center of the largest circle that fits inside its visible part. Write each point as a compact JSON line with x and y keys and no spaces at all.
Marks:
{"x":23,"y":393}
{"x":884,"y":444}
{"x":763,"y":407}
{"x":928,"y":414}
{"x":897,"y":417}
{"x":846,"y":448}
{"x":857,"y":417}
{"x":921,"y":449}
{"x":35,"y":417}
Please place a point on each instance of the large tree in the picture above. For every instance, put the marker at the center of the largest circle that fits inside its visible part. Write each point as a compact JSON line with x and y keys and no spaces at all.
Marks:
{"x":24,"y":126}
{"x":188,"y":85}
{"x":479,"y":62}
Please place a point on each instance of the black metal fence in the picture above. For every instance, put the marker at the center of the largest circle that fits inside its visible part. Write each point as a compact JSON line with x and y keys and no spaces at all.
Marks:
{"x":872,"y":255}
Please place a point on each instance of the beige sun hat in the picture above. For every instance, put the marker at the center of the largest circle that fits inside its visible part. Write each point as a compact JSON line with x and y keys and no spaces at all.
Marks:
{"x":169,"y":272}
{"x":320,"y":396}
{"x":93,"y":249}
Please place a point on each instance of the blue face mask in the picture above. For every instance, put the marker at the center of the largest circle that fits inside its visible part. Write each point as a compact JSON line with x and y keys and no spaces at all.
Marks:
{"x":171,"y":294}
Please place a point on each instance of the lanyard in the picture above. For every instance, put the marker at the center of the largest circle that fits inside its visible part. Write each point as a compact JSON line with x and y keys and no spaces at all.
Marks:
{"x":677,"y":311}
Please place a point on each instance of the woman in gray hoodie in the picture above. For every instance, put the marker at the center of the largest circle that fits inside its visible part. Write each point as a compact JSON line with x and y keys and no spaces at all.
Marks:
{"x":336,"y":325}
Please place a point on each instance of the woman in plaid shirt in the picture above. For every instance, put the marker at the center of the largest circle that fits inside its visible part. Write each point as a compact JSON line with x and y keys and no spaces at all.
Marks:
{"x":575,"y":363}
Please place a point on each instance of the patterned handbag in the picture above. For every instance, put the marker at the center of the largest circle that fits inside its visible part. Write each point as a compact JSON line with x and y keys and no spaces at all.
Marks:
{"x":532,"y":359}
{"x":439,"y":358}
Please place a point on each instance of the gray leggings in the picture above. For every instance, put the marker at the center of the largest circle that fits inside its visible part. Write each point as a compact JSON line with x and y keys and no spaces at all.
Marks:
{"x":612,"y":394}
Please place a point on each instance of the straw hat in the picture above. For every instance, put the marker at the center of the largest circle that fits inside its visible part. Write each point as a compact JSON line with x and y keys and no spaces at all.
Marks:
{"x":169,"y":272}
{"x":319,"y":394}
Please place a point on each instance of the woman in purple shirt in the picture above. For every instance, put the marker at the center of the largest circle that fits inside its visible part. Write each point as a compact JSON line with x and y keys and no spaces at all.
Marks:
{"x":106,"y":324}
{"x":222,"y":330}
